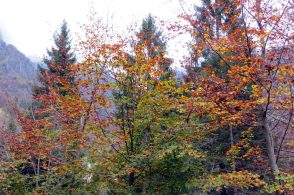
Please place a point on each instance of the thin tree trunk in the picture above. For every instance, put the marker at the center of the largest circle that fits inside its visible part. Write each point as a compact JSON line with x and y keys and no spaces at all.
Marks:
{"x":233,"y":163}
{"x":270,"y":147}
{"x":268,"y":133}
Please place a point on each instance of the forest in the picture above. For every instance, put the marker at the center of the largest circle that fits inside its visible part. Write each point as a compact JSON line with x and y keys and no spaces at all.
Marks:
{"x":111,"y":117}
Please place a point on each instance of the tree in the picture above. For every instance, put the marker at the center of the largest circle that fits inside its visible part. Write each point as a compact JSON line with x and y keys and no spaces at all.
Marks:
{"x":262,"y":53}
{"x":124,"y":127}
{"x":46,"y":139}
{"x":135,"y":142}
{"x":154,"y":44}
{"x":58,"y":61}
{"x":217,"y":18}
{"x":144,"y":82}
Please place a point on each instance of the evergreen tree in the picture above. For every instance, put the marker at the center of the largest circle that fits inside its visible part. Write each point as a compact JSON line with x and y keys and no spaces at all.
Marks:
{"x":58,"y":59}
{"x":218,"y":19}
{"x":155,"y":45}
{"x":56,"y":83}
{"x":216,"y":16}
{"x":212,"y":18}
{"x":131,"y":101}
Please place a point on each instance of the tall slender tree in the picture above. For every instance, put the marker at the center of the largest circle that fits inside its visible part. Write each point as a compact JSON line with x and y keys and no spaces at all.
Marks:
{"x":57,"y":62}
{"x":41,"y":144}
{"x":154,"y":44}
{"x":255,"y":55}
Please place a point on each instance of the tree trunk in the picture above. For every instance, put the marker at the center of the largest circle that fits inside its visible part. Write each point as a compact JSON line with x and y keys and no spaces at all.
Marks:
{"x":270,"y":147}
{"x":233,"y":163}
{"x":131,"y":178}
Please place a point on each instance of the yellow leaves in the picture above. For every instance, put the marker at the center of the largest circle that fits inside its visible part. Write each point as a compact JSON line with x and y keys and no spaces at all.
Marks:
{"x":195,"y":34}
{"x":239,"y":180}
{"x":233,"y":150}
{"x":184,"y":98}
{"x":179,"y":151}
{"x":261,"y":101}
{"x":262,"y":34}
{"x":222,"y":49}
{"x":284,"y":183}
{"x":289,"y":187}
{"x":206,"y":35}
{"x":274,"y":18}
{"x":245,"y":79}
{"x":255,"y":91}
{"x":244,"y":149}
{"x":195,"y":154}
{"x":238,"y":2}
{"x":253,"y":151}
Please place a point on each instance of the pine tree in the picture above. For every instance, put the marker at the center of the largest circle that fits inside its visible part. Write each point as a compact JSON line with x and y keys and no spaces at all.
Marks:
{"x":216,"y":16}
{"x":58,"y":60}
{"x":213,"y":17}
{"x":45,"y":124}
{"x":141,"y":131}
{"x":217,"y":20}
{"x":155,"y":45}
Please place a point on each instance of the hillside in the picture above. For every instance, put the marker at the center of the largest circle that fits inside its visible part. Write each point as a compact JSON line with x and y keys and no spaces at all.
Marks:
{"x":17,"y":74}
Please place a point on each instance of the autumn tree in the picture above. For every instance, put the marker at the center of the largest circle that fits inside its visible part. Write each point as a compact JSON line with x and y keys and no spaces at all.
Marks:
{"x":144,"y":85}
{"x":257,"y":56}
{"x":49,"y":137}
{"x":133,"y":117}
{"x":153,"y":42}
{"x":57,"y":62}
{"x":118,"y":123}
{"x":218,"y":19}
{"x":214,"y":17}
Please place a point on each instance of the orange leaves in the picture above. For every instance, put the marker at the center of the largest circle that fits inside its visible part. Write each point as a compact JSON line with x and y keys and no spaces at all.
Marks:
{"x":126,"y":115}
{"x":244,"y":71}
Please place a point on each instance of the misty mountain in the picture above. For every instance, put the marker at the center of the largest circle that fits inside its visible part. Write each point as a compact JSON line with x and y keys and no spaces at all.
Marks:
{"x":17,"y":75}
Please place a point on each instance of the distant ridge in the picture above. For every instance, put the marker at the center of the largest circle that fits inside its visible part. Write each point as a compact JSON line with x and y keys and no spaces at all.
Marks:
{"x":17,"y":75}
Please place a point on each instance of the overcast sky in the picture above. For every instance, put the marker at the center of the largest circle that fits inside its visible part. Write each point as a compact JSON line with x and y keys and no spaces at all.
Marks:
{"x":30,"y":24}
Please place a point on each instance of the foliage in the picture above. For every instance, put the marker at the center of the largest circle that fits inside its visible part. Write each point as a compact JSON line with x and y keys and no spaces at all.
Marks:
{"x":118,"y":123}
{"x":239,"y":180}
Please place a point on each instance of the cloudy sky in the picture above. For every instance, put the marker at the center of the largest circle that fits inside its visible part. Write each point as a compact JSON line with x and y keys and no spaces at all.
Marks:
{"x":30,"y":24}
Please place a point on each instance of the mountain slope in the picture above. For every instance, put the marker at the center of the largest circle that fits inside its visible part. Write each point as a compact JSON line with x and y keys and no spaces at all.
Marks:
{"x":17,"y":75}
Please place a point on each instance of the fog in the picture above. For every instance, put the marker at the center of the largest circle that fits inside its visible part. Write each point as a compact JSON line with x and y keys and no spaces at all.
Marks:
{"x":30,"y":24}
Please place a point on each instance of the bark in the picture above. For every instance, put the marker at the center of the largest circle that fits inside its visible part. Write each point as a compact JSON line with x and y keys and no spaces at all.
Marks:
{"x":270,"y":147}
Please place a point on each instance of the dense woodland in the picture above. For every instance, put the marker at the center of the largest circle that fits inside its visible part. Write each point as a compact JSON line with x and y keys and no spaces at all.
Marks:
{"x":115,"y":120}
